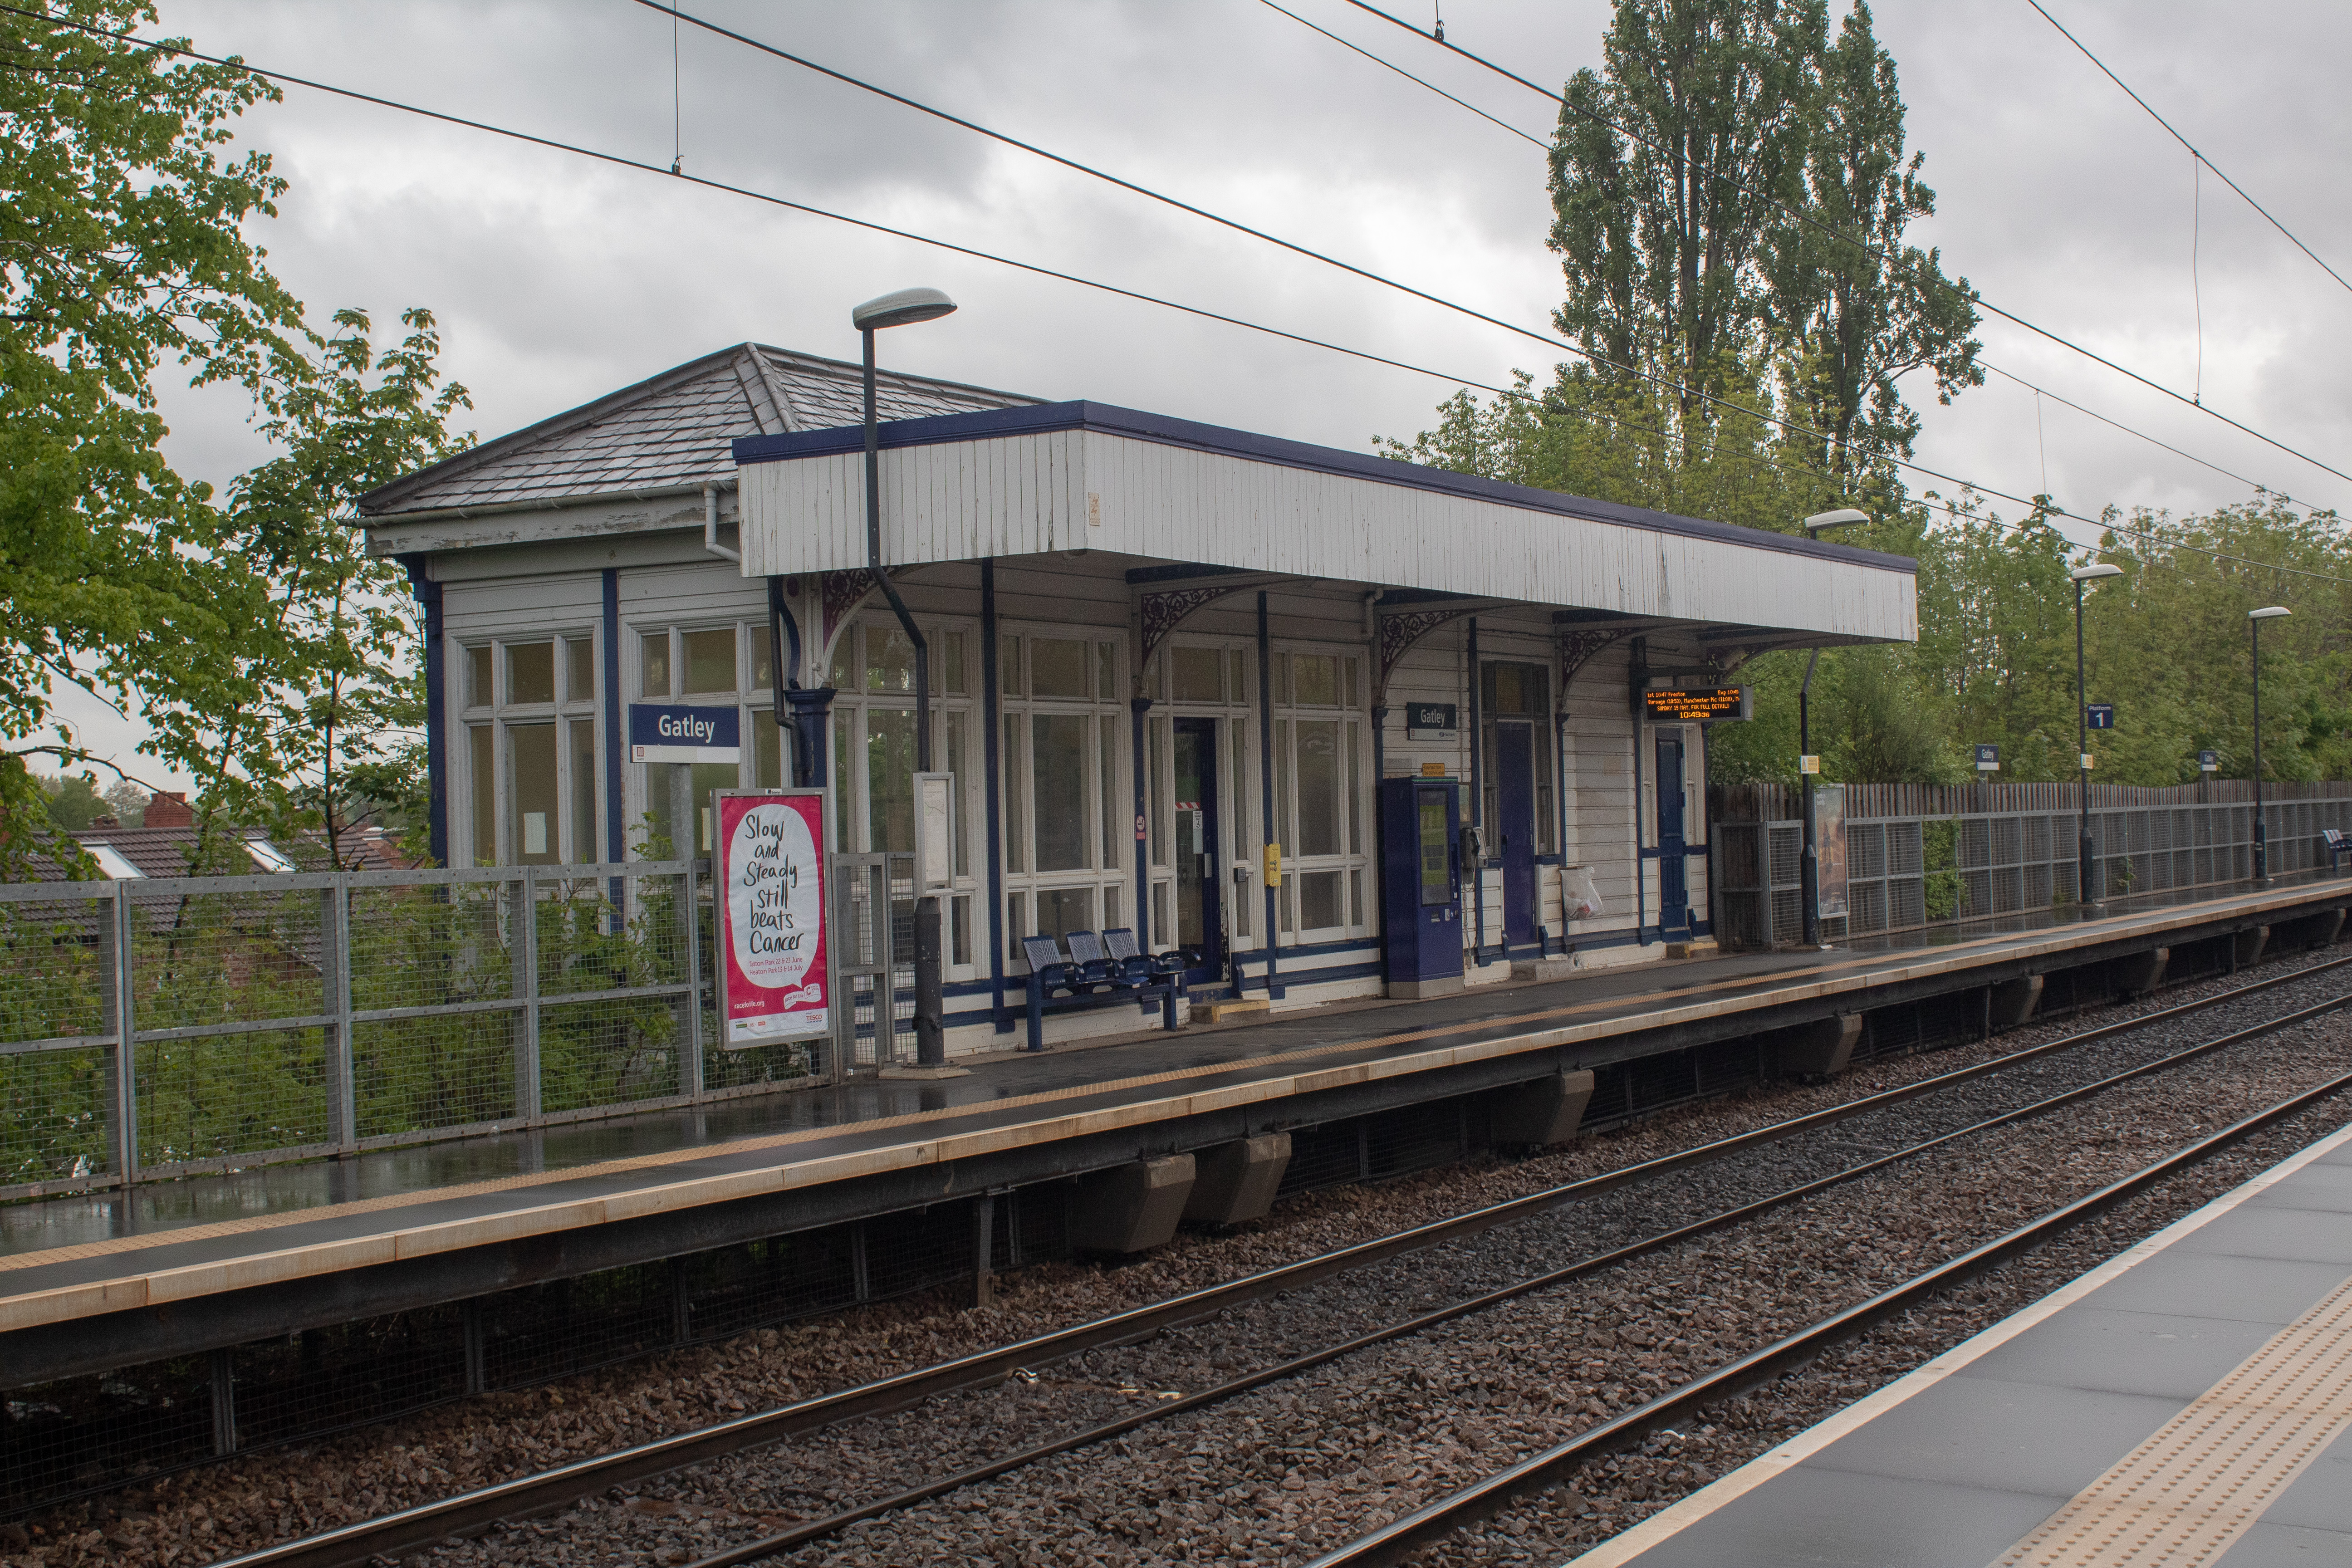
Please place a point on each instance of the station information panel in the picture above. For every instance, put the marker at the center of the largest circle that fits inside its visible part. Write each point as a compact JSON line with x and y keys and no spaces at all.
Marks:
{"x":1697,"y":705}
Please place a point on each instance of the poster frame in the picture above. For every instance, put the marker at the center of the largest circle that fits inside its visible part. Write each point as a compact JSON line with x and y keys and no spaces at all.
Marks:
{"x":722,"y":924}
{"x":1831,"y":895}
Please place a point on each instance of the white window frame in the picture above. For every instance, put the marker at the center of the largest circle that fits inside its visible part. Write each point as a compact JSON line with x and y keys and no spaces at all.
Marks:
{"x":1357,"y":894}
{"x":750,"y":703}
{"x":500,"y":714}
{"x":1109,"y":708}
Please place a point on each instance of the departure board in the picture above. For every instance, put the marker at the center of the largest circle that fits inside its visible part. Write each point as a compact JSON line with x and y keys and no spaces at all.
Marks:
{"x":1698,"y":705}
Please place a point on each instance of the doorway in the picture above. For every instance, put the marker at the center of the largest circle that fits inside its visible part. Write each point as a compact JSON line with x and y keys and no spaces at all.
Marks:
{"x":1200,"y":904}
{"x":1514,"y":830}
{"x":1674,"y":890}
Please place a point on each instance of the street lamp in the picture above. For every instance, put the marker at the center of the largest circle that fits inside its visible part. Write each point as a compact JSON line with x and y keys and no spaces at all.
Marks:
{"x":903,"y":308}
{"x":2254,"y":619}
{"x":2083,"y":868}
{"x":1809,"y":893}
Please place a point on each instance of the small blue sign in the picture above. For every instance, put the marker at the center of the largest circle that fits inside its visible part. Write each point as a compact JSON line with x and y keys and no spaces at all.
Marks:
{"x":682,"y":732}
{"x":2099,"y":715}
{"x":2208,"y":761}
{"x":1987,"y":758}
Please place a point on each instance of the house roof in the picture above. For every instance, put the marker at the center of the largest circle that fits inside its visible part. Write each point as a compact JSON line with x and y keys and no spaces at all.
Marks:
{"x":675,"y":430}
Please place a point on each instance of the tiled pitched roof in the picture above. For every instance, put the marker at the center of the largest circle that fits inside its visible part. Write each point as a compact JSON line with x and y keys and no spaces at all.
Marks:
{"x":673,"y":430}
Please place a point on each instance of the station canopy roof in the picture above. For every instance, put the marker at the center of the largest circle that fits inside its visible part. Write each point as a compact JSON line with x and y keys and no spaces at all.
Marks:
{"x":969,"y":472}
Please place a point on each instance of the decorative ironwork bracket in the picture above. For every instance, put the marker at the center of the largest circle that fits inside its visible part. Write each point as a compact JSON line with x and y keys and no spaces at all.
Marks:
{"x":843,"y":591}
{"x":1162,"y":610}
{"x":1401,"y":629}
{"x":1576,"y":646}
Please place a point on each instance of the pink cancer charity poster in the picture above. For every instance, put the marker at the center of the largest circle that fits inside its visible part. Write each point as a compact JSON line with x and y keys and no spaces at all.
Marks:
{"x":771,"y":933}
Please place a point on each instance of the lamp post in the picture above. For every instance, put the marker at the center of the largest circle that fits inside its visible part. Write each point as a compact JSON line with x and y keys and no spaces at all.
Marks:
{"x":904,"y":308}
{"x":2254,"y":619}
{"x":2083,"y":873}
{"x":1809,"y":879}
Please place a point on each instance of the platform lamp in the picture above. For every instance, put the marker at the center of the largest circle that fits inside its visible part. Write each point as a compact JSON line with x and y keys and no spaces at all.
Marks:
{"x":2083,"y":874}
{"x":904,"y":309}
{"x":2254,"y":619}
{"x":1809,"y":882}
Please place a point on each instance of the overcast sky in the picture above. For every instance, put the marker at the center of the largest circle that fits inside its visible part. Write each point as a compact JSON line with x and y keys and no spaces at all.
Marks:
{"x":557,"y":280}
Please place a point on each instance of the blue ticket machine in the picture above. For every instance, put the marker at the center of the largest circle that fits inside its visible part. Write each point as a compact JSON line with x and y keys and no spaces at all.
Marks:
{"x":1421,"y":829}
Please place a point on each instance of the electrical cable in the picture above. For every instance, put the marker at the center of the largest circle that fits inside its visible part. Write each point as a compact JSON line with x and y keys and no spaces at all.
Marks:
{"x":1973,"y":298}
{"x":623,"y":160}
{"x":2184,"y":141}
{"x":1547,"y":339}
{"x":1408,"y":75}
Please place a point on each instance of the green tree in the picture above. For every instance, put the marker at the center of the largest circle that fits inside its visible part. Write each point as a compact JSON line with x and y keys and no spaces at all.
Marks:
{"x":121,"y":245}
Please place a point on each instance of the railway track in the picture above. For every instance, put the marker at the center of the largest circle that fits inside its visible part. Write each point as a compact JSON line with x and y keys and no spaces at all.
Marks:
{"x":547,"y":1491}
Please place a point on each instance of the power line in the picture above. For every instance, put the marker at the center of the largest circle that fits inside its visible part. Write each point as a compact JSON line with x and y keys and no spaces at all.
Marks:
{"x":2184,"y":141}
{"x":1970,"y":295}
{"x":1151,"y":194}
{"x":623,"y":160}
{"x":1408,"y":75}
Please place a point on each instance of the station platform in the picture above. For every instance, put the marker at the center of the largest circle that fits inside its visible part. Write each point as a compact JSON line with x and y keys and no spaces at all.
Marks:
{"x":93,"y":1281}
{"x":2185,"y":1403}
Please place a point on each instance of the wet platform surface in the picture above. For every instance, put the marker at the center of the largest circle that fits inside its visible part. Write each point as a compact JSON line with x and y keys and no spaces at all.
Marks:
{"x":66,"y":1257}
{"x":2187,"y":1403}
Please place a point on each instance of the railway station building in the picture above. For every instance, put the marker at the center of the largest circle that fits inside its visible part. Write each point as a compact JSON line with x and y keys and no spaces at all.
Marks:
{"x":1158,"y":648}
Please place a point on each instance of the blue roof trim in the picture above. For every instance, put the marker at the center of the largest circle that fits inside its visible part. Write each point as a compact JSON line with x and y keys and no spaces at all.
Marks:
{"x":1042,"y":417}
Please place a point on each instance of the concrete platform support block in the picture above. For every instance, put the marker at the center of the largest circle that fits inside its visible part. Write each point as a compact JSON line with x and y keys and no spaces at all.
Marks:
{"x":2142,"y":971}
{"x":1822,"y":1048}
{"x":1130,"y":1208}
{"x":2013,"y":1001}
{"x":2250,"y":944}
{"x":2322,"y":928}
{"x":1548,"y":1110}
{"x":1235,"y":1182}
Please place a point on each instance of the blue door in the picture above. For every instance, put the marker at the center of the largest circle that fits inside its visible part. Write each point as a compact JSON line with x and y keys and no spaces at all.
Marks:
{"x":1674,"y":893}
{"x":1514,"y":830}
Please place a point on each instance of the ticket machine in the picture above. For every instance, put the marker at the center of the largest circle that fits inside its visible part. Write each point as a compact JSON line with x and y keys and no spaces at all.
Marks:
{"x":1421,"y":848}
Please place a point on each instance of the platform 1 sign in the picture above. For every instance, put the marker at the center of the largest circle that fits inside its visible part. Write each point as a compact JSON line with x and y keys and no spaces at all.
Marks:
{"x":776,"y":975}
{"x":684,"y":732}
{"x":2099,"y":715}
{"x":1698,"y":705}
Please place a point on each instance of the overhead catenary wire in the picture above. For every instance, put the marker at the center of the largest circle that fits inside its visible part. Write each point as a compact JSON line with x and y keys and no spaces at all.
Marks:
{"x":2184,"y":141}
{"x":1391,"y":65}
{"x":623,"y":160}
{"x":1973,"y":297}
{"x":2117,"y":424}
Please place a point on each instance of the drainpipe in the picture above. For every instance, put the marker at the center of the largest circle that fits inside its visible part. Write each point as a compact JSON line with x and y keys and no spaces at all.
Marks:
{"x":711,"y":527}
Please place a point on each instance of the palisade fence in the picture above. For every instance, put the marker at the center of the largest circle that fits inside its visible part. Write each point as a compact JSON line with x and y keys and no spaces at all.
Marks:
{"x":1919,"y":855}
{"x":288,"y":1016}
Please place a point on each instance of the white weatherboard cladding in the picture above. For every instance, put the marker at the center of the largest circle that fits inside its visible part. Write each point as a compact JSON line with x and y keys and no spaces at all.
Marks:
{"x":1035,"y":494}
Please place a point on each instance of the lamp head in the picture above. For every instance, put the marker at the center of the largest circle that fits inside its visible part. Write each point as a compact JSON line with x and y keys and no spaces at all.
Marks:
{"x":1845,"y":517}
{"x":902,"y":309}
{"x":2269,"y":613}
{"x":2096,"y":570}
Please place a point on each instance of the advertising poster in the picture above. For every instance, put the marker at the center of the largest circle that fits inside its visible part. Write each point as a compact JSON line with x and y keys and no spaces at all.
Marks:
{"x":1829,"y":845}
{"x":773,"y":977}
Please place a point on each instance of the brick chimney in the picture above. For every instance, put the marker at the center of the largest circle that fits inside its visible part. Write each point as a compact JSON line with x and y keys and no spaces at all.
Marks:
{"x":169,"y":808}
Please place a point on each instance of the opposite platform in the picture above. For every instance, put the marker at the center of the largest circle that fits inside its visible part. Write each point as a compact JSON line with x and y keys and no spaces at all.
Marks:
{"x":2185,"y":1403}
{"x":100,"y":1279}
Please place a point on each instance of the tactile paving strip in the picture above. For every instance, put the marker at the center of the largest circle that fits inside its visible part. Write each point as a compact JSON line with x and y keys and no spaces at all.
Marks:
{"x":2187,"y":1494}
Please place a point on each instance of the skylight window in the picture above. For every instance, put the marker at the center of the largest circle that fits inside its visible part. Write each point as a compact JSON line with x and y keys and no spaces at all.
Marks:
{"x":267,"y":856}
{"x":110,"y":861}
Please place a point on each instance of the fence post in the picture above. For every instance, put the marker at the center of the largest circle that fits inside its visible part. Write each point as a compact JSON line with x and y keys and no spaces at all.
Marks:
{"x":690,"y":1059}
{"x":335,"y":972}
{"x":114,"y":929}
{"x":526,"y":952}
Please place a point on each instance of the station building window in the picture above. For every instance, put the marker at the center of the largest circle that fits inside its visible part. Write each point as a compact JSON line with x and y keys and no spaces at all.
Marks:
{"x":728,"y":665}
{"x":873,"y":677}
{"x":1321,"y":795}
{"x":1062,"y":704}
{"x":529,"y":758}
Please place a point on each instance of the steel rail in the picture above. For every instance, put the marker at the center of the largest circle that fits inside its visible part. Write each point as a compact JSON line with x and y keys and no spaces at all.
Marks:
{"x":1393,"y":1542}
{"x":818,"y":1528}
{"x":423,"y":1524}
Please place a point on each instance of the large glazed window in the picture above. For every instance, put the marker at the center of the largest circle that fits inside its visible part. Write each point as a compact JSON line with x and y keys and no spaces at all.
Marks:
{"x":530,"y":765}
{"x":1064,"y":750}
{"x":724,"y":664}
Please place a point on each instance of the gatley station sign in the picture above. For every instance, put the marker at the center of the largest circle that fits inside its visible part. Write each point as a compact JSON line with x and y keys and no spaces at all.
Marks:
{"x":682,"y":732}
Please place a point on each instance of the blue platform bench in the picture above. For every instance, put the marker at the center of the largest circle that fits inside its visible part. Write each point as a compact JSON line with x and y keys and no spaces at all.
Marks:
{"x":1100,"y":972}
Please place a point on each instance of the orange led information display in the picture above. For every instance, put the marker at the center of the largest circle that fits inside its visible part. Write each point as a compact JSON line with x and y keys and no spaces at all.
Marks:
{"x":1701,"y":705}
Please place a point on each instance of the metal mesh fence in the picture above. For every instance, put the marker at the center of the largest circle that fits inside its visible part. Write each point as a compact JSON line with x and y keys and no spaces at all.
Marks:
{"x":273,"y":1018}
